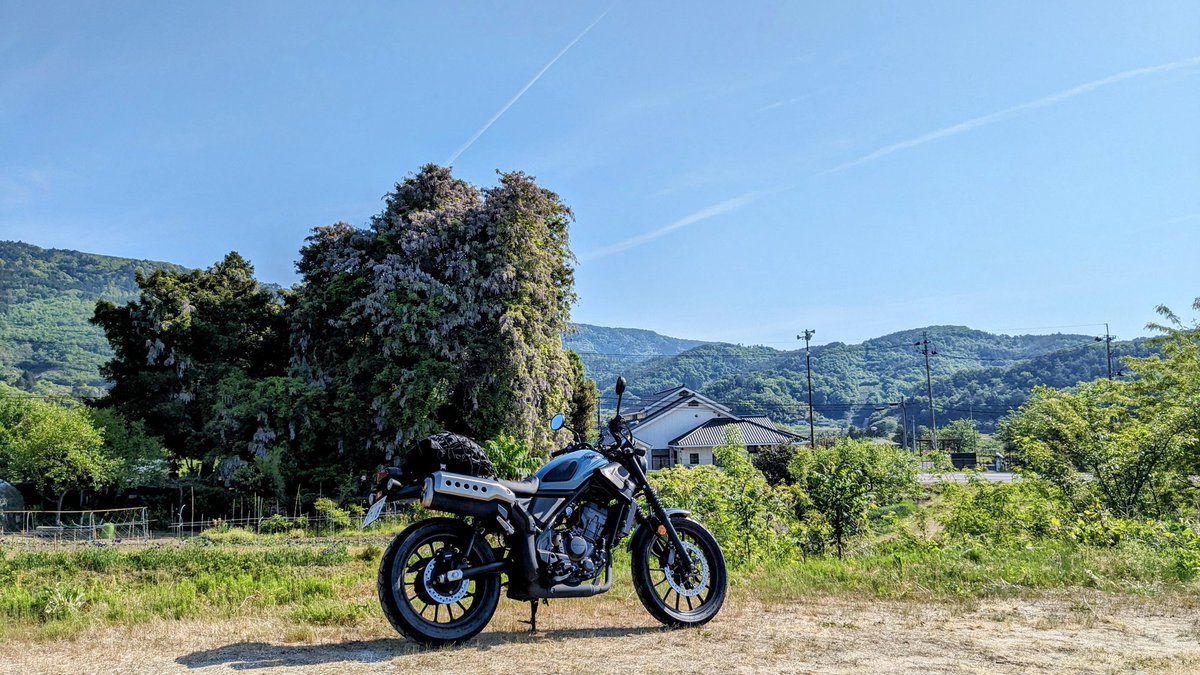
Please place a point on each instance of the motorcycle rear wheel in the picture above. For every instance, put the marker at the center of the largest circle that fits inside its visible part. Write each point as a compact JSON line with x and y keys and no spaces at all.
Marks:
{"x":672,"y":596}
{"x":416,"y":604}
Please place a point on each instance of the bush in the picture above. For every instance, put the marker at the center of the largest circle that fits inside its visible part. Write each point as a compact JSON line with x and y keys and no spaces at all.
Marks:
{"x":223,"y":534}
{"x":511,"y":457}
{"x":845,"y":481}
{"x":275,"y":524}
{"x":751,"y":520}
{"x":1020,"y":511}
{"x":336,"y":517}
{"x":773,"y":462}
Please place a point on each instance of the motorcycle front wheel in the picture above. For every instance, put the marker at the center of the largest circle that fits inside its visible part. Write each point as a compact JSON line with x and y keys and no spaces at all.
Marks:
{"x":670,"y":593}
{"x":422,"y":607}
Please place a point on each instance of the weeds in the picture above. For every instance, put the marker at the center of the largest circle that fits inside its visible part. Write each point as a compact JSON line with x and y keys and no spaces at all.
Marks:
{"x":964,"y":544}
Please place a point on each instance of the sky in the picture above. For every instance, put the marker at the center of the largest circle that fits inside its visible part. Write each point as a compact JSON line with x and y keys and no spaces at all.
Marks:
{"x":737,"y":171}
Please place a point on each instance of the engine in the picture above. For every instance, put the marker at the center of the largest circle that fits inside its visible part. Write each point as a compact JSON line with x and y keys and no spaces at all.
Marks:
{"x":574,"y":551}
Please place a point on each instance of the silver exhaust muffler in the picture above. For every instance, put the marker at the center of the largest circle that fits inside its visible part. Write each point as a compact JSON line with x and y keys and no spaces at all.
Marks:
{"x":466,"y":495}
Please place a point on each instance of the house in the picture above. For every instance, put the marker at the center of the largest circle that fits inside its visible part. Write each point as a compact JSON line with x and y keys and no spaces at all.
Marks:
{"x":680,"y":426}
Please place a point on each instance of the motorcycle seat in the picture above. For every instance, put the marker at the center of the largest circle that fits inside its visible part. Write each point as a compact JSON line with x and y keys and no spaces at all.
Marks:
{"x":522,"y":488}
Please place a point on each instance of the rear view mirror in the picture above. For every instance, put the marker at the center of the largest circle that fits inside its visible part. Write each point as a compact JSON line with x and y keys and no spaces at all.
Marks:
{"x":620,"y":386}
{"x":557,"y":422}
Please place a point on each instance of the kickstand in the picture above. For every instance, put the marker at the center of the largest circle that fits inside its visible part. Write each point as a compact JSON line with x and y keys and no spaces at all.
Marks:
{"x":533,"y":605}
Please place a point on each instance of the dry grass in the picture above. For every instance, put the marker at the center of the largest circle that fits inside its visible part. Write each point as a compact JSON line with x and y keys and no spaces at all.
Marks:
{"x":1077,"y":632}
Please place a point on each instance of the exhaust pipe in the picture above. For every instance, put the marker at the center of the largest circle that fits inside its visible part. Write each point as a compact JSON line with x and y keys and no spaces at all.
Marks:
{"x":467,"y":495}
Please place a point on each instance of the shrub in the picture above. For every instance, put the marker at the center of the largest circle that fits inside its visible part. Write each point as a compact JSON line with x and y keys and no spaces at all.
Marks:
{"x":845,"y":481}
{"x":274,"y":525}
{"x":328,"y":509}
{"x":511,"y":457}
{"x":223,"y":534}
{"x":773,"y":462}
{"x":751,"y":520}
{"x":1026,"y":509}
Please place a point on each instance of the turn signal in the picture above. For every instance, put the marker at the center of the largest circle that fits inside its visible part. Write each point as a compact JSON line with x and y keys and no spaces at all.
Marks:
{"x":662,"y":530}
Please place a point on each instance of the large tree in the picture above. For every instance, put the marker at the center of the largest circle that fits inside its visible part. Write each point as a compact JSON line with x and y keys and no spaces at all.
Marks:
{"x":58,"y":449}
{"x":446,"y":312}
{"x":1136,"y":442}
{"x":187,"y":334}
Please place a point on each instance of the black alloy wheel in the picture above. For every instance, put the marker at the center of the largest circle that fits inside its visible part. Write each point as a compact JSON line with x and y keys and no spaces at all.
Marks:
{"x":415,"y":596}
{"x":672,"y":594}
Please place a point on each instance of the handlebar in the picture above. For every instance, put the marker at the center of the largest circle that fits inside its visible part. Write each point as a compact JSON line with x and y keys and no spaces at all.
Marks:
{"x":623,"y":443}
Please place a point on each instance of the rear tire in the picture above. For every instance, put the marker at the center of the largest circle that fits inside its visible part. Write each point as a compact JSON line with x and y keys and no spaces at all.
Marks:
{"x":415,"y":604}
{"x":672,"y":597}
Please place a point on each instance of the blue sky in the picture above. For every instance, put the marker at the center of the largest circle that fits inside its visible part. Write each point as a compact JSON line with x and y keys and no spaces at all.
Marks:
{"x":738,"y":171}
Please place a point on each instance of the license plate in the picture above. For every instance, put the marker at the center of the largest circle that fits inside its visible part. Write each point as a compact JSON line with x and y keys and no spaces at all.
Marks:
{"x":374,"y":513}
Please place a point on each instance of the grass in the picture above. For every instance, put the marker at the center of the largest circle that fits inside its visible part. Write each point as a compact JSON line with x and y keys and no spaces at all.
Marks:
{"x":965,"y":571}
{"x":63,"y":593}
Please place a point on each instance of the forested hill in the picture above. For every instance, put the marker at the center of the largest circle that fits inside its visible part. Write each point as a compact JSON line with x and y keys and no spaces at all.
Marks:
{"x":46,"y":299}
{"x":976,"y":374}
{"x":47,"y":345}
{"x":608,"y":352}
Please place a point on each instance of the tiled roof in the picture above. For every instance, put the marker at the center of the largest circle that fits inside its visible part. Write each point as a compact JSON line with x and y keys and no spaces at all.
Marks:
{"x":763,"y":420}
{"x":712,"y":433}
{"x":659,"y":399}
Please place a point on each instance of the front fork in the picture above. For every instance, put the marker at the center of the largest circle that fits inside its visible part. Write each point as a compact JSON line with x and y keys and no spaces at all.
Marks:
{"x":657,"y":510}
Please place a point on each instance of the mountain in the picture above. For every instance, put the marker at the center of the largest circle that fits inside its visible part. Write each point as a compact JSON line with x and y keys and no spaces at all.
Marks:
{"x":974,"y":374}
{"x":46,"y":299}
{"x":609,"y":352}
{"x":48,"y":346}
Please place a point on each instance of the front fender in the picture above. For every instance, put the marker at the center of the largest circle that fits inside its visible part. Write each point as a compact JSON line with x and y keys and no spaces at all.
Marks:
{"x":643,"y":531}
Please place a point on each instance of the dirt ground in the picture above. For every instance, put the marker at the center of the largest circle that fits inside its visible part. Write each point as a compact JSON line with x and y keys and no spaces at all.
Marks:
{"x":1083,"y":633}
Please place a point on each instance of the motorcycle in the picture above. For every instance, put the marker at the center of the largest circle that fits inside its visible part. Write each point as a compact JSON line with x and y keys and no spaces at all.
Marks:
{"x":549,"y":536}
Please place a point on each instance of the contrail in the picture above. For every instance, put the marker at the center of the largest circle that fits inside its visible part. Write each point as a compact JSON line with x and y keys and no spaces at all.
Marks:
{"x":985,"y":120}
{"x":703,"y":214}
{"x":524,"y":89}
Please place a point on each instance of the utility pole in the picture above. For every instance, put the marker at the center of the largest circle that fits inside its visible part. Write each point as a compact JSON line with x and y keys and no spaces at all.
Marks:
{"x":924,"y":345}
{"x":812,"y":439}
{"x":1107,"y":340}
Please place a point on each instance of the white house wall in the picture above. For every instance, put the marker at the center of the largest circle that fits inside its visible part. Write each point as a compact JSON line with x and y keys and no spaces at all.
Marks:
{"x":705,"y":455}
{"x":673,"y":424}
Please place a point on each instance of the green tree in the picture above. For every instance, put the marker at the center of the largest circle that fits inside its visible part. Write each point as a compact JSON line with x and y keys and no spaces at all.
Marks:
{"x":748,"y":493}
{"x":774,"y":461}
{"x":751,"y":520}
{"x":584,"y":399}
{"x":55,"y":448}
{"x":447,"y":313}
{"x":173,"y":346}
{"x":511,"y":457}
{"x":1134,"y":455}
{"x":964,"y":433}
{"x":1168,"y":383}
{"x":141,"y":460}
{"x":846,"y":480}
{"x":1137,"y":440}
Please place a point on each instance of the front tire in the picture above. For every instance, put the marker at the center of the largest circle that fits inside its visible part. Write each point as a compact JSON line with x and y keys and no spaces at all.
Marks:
{"x":419,"y":607}
{"x":670,"y":595}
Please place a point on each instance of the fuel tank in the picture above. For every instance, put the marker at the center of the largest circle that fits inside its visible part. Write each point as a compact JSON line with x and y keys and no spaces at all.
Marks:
{"x":568,"y":471}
